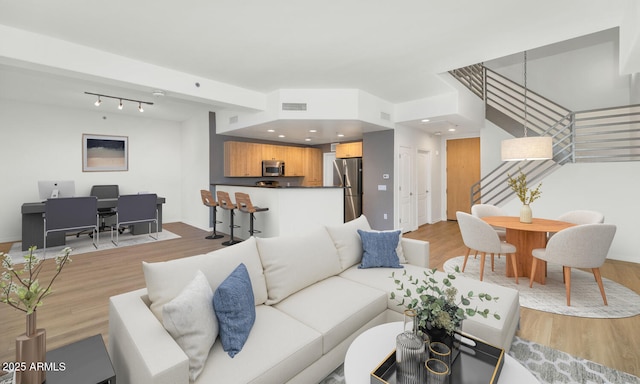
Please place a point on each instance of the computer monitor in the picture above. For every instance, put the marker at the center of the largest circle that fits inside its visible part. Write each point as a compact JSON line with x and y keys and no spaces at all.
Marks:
{"x":51,"y":189}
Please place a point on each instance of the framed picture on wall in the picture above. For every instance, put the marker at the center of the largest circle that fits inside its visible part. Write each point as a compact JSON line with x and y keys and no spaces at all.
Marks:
{"x":102,"y":153}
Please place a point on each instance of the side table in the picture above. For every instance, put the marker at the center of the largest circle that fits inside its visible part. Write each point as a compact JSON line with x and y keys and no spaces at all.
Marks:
{"x":85,"y":362}
{"x":370,"y":348}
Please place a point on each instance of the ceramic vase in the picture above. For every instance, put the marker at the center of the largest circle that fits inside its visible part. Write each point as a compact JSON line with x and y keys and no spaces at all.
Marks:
{"x":31,"y":350}
{"x":526,"y":216}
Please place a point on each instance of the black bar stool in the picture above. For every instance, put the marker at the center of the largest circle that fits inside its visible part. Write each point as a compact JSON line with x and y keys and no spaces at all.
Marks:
{"x":224,"y":202}
{"x":243,"y":202}
{"x":209,"y":201}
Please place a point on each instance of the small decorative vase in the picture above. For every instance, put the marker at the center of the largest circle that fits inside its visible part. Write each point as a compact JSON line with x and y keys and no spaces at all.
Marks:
{"x":31,"y":351}
{"x":526,"y":216}
{"x":411,"y":352}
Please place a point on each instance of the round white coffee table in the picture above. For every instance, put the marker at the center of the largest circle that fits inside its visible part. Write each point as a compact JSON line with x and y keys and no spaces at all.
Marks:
{"x":370,"y":348}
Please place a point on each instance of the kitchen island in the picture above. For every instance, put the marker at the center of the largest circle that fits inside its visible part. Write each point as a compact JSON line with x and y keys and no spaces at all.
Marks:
{"x":292,"y":210}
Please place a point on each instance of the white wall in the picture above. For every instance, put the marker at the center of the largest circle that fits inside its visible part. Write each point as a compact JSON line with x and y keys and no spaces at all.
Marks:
{"x":195,"y":170}
{"x":41,"y":142}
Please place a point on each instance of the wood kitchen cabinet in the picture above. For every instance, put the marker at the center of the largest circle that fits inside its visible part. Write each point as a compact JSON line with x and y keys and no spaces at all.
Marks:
{"x":273,"y":152}
{"x":312,"y":167}
{"x":294,"y":161}
{"x":347,"y":150}
{"x":242,"y":159}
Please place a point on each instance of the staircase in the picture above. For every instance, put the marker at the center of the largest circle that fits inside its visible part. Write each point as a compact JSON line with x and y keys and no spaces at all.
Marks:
{"x":608,"y":134}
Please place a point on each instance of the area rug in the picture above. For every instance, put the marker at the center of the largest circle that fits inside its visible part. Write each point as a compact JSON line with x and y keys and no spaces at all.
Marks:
{"x":84,"y":244}
{"x":586,"y":300}
{"x":548,"y":365}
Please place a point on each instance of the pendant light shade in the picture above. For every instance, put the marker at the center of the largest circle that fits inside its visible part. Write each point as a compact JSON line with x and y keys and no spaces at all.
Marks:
{"x":527,"y":148}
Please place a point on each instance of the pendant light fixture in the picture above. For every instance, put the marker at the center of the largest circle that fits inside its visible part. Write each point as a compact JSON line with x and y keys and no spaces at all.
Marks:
{"x":527,"y":148}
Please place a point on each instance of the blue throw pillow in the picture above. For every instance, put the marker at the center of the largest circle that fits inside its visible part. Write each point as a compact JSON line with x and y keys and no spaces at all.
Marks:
{"x":379,"y":249}
{"x":235,"y":309}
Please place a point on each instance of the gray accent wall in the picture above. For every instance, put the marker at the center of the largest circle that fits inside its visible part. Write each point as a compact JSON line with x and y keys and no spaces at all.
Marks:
{"x":378,"y":160}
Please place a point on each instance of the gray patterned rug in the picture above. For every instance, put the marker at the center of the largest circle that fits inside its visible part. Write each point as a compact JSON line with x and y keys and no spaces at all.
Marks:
{"x":548,"y":365}
{"x":586,"y":300}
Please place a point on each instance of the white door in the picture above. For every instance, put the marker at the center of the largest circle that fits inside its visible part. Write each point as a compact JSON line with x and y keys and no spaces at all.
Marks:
{"x":424,"y":185}
{"x":327,"y":168}
{"x":407,"y":212}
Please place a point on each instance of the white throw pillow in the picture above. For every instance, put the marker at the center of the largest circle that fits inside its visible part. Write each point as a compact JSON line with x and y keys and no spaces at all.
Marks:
{"x":347,"y":241}
{"x":292,"y":263}
{"x":191,"y":321}
{"x":166,"y":279}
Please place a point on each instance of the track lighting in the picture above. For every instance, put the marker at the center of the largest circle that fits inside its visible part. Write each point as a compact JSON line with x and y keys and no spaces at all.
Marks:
{"x":120,"y":99}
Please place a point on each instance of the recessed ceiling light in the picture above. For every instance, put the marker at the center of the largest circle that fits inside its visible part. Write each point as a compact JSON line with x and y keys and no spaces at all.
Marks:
{"x":281,"y":136}
{"x":270,"y":130}
{"x":340,"y":135}
{"x":425,"y":120}
{"x":307,"y":139}
{"x":451,"y":129}
{"x":313,"y":130}
{"x":438,"y":133}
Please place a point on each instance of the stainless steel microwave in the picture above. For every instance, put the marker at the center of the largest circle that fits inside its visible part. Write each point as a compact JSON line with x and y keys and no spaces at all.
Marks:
{"x":272,"y":168}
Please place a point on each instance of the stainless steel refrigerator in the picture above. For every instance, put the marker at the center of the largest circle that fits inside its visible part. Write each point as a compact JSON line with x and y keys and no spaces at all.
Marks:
{"x":347,"y":173}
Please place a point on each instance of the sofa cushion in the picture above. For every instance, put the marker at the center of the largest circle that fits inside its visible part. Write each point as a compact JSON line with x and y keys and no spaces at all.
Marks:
{"x":166,"y":279}
{"x":495,"y":332}
{"x":292,"y":263}
{"x":235,"y":310}
{"x":278,"y":348}
{"x":346,"y":240}
{"x":335,"y":307}
{"x":190,"y":320}
{"x":379,"y":249}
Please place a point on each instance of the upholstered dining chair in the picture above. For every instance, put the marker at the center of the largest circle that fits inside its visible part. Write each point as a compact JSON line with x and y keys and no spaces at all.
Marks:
{"x":484,"y":210}
{"x":582,"y":246}
{"x":481,"y":237}
{"x":582,"y":217}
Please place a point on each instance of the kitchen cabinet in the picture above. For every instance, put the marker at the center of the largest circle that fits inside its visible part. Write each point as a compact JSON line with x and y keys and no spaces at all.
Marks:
{"x":294,"y":161}
{"x":242,"y":159}
{"x":312,"y":167}
{"x":347,"y":150}
{"x":273,"y":152}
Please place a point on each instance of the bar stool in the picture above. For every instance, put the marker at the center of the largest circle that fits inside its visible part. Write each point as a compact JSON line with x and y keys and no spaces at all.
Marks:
{"x":208,"y":200}
{"x":224,"y":202}
{"x":244,"y":204}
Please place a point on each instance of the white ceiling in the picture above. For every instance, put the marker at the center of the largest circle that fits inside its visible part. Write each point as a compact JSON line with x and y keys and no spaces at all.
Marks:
{"x":393,"y":50}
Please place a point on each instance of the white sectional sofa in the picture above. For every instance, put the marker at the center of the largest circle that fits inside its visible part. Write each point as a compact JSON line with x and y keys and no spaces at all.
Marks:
{"x":311,"y":301}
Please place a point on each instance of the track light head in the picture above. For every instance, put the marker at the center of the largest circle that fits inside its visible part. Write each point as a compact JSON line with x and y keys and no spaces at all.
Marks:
{"x":120,"y":106}
{"x":98,"y":102}
{"x":140,"y":107}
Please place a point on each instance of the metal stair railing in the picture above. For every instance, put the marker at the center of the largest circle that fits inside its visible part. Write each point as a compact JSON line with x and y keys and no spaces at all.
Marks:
{"x":607,"y":134}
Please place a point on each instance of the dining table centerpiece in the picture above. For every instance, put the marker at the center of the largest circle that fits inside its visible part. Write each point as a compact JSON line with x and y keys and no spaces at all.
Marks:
{"x":440,"y":309}
{"x":21,"y":289}
{"x":526,"y":195}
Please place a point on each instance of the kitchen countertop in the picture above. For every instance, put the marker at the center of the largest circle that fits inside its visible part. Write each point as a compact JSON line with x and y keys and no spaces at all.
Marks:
{"x":281,"y":186}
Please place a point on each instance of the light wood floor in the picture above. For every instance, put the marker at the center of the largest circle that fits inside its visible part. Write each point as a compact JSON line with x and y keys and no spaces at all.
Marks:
{"x":79,"y":306}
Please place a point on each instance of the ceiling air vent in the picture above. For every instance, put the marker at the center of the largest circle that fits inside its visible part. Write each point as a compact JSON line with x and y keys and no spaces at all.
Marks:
{"x":385,"y":116}
{"x":233,"y":119}
{"x":294,"y":106}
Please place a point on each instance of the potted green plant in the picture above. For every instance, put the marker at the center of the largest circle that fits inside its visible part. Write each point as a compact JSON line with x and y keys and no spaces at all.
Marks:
{"x":439,"y":307}
{"x":21,"y":289}
{"x":527,"y":196}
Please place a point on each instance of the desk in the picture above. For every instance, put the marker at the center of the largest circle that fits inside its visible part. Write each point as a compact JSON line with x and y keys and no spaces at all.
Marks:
{"x":526,"y":237}
{"x":33,"y":225}
{"x":374,"y":345}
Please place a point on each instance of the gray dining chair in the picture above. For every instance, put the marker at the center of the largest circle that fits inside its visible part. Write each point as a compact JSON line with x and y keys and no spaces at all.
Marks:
{"x":481,"y":237}
{"x":582,"y":246}
{"x":484,"y":210}
{"x":66,"y":214}
{"x":134,"y":209}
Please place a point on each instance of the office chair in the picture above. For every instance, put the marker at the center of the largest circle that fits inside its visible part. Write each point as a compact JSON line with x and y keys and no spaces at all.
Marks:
{"x":103,"y":192}
{"x":71,"y":213}
{"x":133,"y":209}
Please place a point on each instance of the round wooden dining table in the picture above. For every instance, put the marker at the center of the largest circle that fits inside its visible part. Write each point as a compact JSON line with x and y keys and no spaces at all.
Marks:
{"x":526,"y":237}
